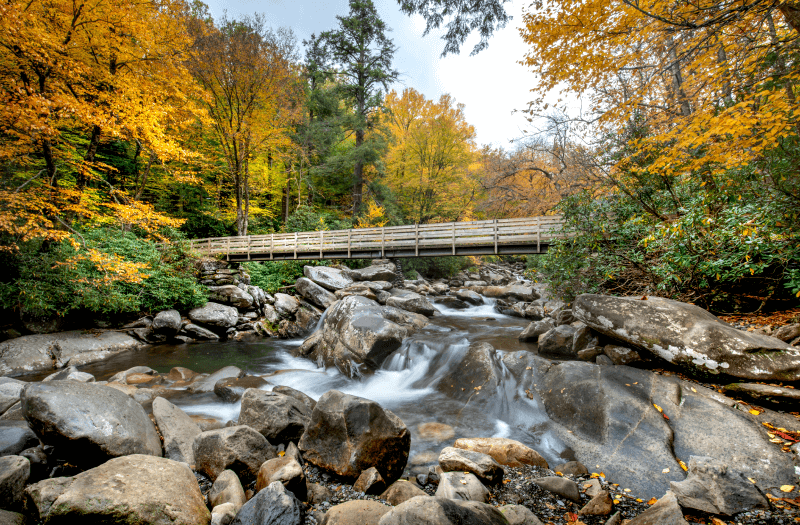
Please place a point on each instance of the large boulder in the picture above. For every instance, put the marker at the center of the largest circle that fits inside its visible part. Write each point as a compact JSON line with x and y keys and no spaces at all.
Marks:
{"x":426,"y":510}
{"x":130,"y":489}
{"x":278,"y":417}
{"x":481,"y":465}
{"x":177,"y":429}
{"x":88,"y":423}
{"x":469,"y":296}
{"x":557,"y":342}
{"x":476,"y":377}
{"x":216,"y":315}
{"x":240,"y":449}
{"x":535,"y":329}
{"x":167,"y":323}
{"x":363,"y":512}
{"x":231,"y":295}
{"x":411,"y":302}
{"x":609,"y":415}
{"x":461,"y":486}
{"x":10,"y":392}
{"x":513,"y":292}
{"x":349,"y":434}
{"x":329,"y":278}
{"x":274,"y":506}
{"x":314,"y":293}
{"x":505,"y":451}
{"x":32,"y":353}
{"x":198,"y":332}
{"x":285,"y":305}
{"x":356,"y":331}
{"x":689,"y":336}
{"x":374,"y":272}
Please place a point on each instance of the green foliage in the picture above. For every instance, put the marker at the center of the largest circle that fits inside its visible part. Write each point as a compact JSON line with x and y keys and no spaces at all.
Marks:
{"x":434,"y":267}
{"x":270,"y":276}
{"x":726,"y":246}
{"x":306,"y":219}
{"x":54,"y":279}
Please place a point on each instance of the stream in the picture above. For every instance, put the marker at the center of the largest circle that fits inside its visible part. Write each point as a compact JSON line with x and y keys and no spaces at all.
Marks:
{"x":405,"y":384}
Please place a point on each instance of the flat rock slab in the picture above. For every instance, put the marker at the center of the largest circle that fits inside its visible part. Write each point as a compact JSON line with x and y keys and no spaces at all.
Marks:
{"x":482,"y":465}
{"x":216,"y":315}
{"x":560,"y":486}
{"x":362,"y":512}
{"x":131,"y":489}
{"x":689,"y":336}
{"x":33,"y":353}
{"x":177,"y":429}
{"x":767,"y":392}
{"x":505,"y":451}
{"x":329,"y":278}
{"x":88,"y":423}
{"x":463,"y":486}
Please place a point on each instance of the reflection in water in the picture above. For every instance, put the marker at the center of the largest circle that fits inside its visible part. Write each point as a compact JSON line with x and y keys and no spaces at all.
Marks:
{"x":406,"y":384}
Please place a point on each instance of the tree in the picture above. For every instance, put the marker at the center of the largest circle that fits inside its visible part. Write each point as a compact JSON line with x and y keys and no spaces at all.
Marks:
{"x":432,"y":162}
{"x":364,"y":55}
{"x":253,"y":95}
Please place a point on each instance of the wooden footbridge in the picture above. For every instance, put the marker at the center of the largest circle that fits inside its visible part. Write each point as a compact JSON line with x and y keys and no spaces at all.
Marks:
{"x":492,"y":237}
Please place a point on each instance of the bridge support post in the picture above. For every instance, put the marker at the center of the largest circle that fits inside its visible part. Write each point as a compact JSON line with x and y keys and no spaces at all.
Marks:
{"x":383,"y":242}
{"x":454,"y":238}
{"x":495,"y":236}
{"x":349,"y":233}
{"x":271,"y":246}
{"x":416,"y":239}
{"x":320,"y":244}
{"x":295,"y":245}
{"x":538,"y":235}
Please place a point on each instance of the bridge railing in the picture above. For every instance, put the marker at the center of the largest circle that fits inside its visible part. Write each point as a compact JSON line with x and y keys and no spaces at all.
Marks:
{"x":500,"y":232}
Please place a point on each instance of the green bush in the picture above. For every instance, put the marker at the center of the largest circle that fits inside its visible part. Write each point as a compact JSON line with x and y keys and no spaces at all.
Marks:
{"x":57,"y":279}
{"x":434,"y":267}
{"x":270,"y":276}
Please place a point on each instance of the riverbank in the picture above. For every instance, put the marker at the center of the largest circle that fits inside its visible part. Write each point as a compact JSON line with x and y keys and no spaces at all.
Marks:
{"x":465,"y":370}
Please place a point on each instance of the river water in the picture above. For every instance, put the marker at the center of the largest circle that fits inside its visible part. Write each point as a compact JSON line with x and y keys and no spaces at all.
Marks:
{"x":406,"y":384}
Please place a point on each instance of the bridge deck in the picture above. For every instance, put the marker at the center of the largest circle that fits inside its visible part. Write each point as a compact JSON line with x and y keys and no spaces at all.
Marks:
{"x":500,"y":237}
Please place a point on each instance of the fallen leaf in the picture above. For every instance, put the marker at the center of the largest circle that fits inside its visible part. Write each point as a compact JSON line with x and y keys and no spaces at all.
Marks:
{"x":694,"y":389}
{"x":616,"y":502}
{"x":787,"y":488}
{"x":658,"y":408}
{"x":639,"y":500}
{"x":463,"y":482}
{"x":626,"y":490}
{"x":652,"y":501}
{"x":683,"y":465}
{"x":717,"y":521}
{"x":665,"y":471}
{"x":281,"y":453}
{"x":755,"y":412}
{"x":751,"y":480}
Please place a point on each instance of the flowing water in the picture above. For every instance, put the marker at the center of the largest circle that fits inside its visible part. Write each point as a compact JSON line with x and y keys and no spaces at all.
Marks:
{"x":406,"y":384}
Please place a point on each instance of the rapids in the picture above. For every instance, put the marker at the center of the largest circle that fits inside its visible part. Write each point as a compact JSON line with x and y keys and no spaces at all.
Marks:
{"x":406,"y":384}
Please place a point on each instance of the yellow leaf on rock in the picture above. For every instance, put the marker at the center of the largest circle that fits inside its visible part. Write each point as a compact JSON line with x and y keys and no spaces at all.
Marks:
{"x":658,"y":408}
{"x":787,"y":488}
{"x":755,"y":412}
{"x":665,"y":471}
{"x":652,"y":501}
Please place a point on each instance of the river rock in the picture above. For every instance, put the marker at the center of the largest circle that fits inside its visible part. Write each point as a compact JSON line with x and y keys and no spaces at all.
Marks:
{"x":600,"y":505}
{"x":505,"y":451}
{"x":300,"y":396}
{"x":329,"y":278}
{"x":88,"y":423}
{"x":14,"y":474}
{"x":363,"y":512}
{"x":476,"y":377}
{"x":208,"y":383}
{"x":426,"y":510}
{"x":200,"y":333}
{"x":16,"y":436}
{"x":434,"y":431}
{"x":561,"y":486}
{"x":227,"y":489}
{"x":572,"y":468}
{"x":70,"y":374}
{"x":167,"y":323}
{"x":513,"y":292}
{"x":715,"y":488}
{"x":349,"y":434}
{"x":519,"y":515}
{"x":230,"y":295}
{"x":274,"y":506}
{"x":285,"y":305}
{"x":788,"y":332}
{"x":239,"y":448}
{"x":314,"y":292}
{"x":593,"y":353}
{"x":606,"y":415}
{"x":689,"y":336}
{"x":216,"y":315}
{"x":32,"y":353}
{"x":765,"y":392}
{"x":584,"y":338}
{"x":535,"y":329}
{"x":400,"y":491}
{"x":375,"y":272}
{"x":463,"y":486}
{"x":232,"y":389}
{"x":370,"y":482}
{"x":285,"y":470}
{"x":359,"y":331}
{"x":130,"y":489}
{"x":223,"y":514}
{"x":557,"y":342}
{"x":411,"y":302}
{"x":122,"y":377}
{"x":621,"y":355}
{"x":665,"y":511}
{"x":469,"y":296}
{"x":451,"y":302}
{"x":10,"y":392}
{"x":177,"y":429}
{"x":482,"y":465}
{"x":278,"y":417}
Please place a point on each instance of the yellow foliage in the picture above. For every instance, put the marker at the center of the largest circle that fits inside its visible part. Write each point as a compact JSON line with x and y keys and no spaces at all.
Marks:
{"x":375,"y":217}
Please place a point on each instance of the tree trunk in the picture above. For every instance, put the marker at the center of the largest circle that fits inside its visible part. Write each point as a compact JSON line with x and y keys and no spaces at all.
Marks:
{"x":358,"y":176}
{"x":94,"y":140}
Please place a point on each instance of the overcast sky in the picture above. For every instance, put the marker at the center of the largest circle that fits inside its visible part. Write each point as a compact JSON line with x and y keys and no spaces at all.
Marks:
{"x":491,"y":85}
